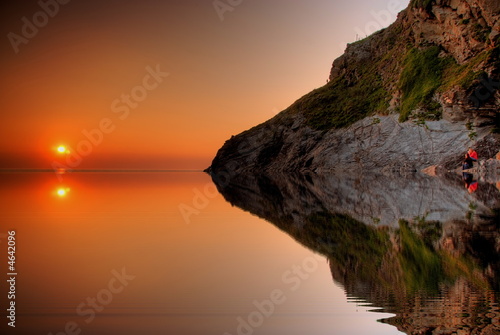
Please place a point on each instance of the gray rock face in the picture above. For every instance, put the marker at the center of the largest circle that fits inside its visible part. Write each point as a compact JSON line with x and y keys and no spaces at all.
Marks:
{"x":379,"y":144}
{"x":382,"y":143}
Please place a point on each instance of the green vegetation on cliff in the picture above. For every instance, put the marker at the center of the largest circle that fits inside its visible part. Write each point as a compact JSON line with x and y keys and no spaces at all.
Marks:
{"x":363,"y":91}
{"x":464,"y":75}
{"x":394,"y":67}
{"x":341,"y":103}
{"x":347,"y":98}
{"x":425,"y":73}
{"x":420,"y":78}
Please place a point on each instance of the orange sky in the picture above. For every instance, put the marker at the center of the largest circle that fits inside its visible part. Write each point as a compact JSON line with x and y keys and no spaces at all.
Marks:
{"x":223,"y":76}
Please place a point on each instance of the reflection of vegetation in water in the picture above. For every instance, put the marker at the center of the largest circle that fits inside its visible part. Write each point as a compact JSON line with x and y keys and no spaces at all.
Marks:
{"x":421,"y":265}
{"x":415,"y":271}
{"x":421,"y":253}
{"x":349,"y":242}
{"x":414,"y":258}
{"x":462,"y":267}
{"x":430,"y":231}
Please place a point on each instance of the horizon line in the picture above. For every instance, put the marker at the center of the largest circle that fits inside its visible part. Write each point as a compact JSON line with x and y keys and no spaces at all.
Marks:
{"x":95,"y":170}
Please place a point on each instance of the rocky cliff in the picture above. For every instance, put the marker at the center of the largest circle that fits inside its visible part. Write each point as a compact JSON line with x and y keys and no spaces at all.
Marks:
{"x":415,"y":94}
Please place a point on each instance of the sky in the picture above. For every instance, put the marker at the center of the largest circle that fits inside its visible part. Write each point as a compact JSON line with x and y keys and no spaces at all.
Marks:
{"x":156,"y":84}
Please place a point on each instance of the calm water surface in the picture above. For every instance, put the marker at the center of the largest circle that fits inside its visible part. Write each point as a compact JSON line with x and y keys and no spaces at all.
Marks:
{"x":171,"y":253}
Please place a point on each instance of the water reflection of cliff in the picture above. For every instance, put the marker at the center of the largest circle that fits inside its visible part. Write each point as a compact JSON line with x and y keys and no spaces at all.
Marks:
{"x":422,"y":248}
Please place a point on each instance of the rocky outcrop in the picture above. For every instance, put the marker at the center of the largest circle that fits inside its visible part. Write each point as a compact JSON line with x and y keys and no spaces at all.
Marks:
{"x":413,"y":95}
{"x":375,"y":143}
{"x":452,"y":23}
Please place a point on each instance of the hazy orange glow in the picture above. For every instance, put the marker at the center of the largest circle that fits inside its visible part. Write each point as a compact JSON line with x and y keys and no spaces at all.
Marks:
{"x":224,"y":76}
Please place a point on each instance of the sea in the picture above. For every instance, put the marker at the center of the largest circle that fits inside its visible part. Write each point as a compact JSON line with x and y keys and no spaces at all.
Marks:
{"x":172,"y":252}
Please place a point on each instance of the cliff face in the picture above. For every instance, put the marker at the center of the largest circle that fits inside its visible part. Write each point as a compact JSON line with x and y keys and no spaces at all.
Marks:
{"x":415,"y":94}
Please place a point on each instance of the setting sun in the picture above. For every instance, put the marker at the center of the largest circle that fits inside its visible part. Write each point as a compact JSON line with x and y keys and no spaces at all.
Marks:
{"x":62,"y":192}
{"x":61,"y":149}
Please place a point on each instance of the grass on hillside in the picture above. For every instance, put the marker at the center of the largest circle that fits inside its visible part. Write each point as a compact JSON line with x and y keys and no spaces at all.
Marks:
{"x":425,"y":73}
{"x":463,"y":75}
{"x":342,"y":102}
{"x":420,"y":78}
{"x":362,"y":92}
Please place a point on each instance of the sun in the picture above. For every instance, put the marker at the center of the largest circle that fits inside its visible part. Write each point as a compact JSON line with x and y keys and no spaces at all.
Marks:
{"x":62,"y":192}
{"x":62,"y":149}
